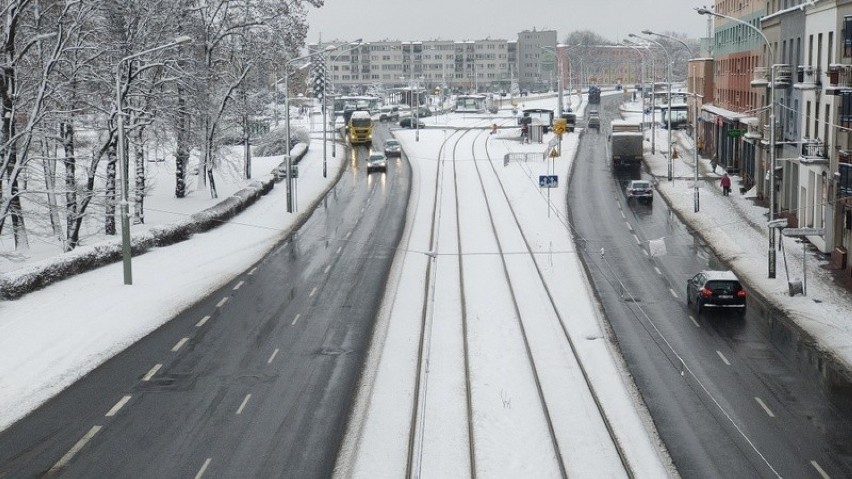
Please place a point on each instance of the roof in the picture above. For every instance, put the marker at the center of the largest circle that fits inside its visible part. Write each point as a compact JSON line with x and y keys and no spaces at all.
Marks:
{"x":725,"y":275}
{"x":361,"y":114}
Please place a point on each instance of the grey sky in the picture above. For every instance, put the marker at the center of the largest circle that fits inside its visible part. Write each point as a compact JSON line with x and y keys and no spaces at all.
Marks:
{"x":375,"y":20}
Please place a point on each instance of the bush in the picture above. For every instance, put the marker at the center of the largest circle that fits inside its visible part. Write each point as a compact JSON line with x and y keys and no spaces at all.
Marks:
{"x":274,"y":142}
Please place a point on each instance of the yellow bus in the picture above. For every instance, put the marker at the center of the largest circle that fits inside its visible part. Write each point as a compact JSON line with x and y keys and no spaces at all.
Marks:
{"x":360,"y":128}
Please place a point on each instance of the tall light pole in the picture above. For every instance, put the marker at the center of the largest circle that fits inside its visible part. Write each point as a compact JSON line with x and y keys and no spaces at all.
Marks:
{"x":653,"y":94}
{"x":768,"y":62}
{"x":641,"y":75}
{"x":560,"y":87}
{"x":695,"y":195}
{"x":669,"y":101}
{"x":126,"y":252}
{"x":287,"y":114}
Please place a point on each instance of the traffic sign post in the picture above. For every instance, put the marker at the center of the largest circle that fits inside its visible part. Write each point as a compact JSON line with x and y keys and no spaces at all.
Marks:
{"x":548,"y":181}
{"x":801,"y":233}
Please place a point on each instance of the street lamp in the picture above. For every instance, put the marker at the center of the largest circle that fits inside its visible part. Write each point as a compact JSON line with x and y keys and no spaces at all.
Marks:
{"x":771,"y":66}
{"x":695,"y":96}
{"x":653,"y":93}
{"x":122,"y":156}
{"x":641,"y":75}
{"x":354,"y":45}
{"x":669,"y":107}
{"x":287,"y":115}
{"x":560,"y":86}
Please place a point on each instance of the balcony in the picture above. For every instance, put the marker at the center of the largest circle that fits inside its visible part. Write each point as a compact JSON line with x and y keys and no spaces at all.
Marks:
{"x":814,"y":152}
{"x":762,"y":75}
{"x":807,"y":78}
{"x":839,"y":77}
{"x":766,"y":132}
{"x":754,"y":131}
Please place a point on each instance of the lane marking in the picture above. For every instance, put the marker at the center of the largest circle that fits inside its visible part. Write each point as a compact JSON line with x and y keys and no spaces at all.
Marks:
{"x":313,"y":292}
{"x":203,"y":468}
{"x":646,"y":252}
{"x":61,"y":463}
{"x":628,"y":226}
{"x":694,"y":321}
{"x":222,"y":302}
{"x":623,"y":215}
{"x":274,"y":353}
{"x":299,"y":315}
{"x":152,"y":372}
{"x":243,"y":405}
{"x":327,"y":269}
{"x":673,"y":292}
{"x":348,"y":235}
{"x":202,"y":321}
{"x":179,"y":344}
{"x":724,"y":359}
{"x":339,"y":249}
{"x":637,"y":239}
{"x":251,"y":273}
{"x":658,"y":271}
{"x":820,"y":470}
{"x":239,"y":285}
{"x":764,"y":406}
{"x":120,"y":404}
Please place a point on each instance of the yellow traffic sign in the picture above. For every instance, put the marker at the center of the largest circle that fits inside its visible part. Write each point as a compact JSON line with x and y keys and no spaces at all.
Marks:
{"x":554,"y":153}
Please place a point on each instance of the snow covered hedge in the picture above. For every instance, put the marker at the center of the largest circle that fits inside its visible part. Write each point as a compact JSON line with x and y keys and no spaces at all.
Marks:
{"x":86,"y":258}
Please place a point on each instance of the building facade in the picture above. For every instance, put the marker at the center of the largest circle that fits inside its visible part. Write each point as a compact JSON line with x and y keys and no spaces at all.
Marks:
{"x":537,"y":69}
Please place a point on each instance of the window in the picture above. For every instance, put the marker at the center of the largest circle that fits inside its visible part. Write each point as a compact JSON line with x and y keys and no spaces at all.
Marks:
{"x":845,"y":109}
{"x":847,"y":36}
{"x":844,"y":189}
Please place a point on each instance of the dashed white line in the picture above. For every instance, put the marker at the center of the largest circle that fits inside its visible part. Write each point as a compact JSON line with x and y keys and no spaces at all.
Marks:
{"x":299,"y":315}
{"x":820,"y":470}
{"x":313,"y":292}
{"x":646,"y":252}
{"x":348,"y":235}
{"x":61,"y":463}
{"x":239,"y":285}
{"x":694,"y":321}
{"x":243,"y":405}
{"x":658,"y":271}
{"x":724,"y":359}
{"x":120,"y":404}
{"x":327,"y":269}
{"x":152,"y":372}
{"x":251,"y":273}
{"x":200,"y":473}
{"x":623,"y":215}
{"x":637,"y":240}
{"x":222,"y":302}
{"x":339,"y":249}
{"x":274,"y":353}
{"x":673,"y":292}
{"x":764,"y":406}
{"x":179,"y":344}
{"x":201,"y":322}
{"x":628,"y":226}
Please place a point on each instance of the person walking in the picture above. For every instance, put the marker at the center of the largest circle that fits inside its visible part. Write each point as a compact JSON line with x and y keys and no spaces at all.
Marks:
{"x":726,"y":184}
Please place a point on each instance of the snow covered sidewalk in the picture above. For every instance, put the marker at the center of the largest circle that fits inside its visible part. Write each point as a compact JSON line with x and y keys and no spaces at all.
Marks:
{"x":736,"y":229}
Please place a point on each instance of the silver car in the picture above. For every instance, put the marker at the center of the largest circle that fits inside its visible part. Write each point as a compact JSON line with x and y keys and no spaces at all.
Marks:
{"x":393,"y":148}
{"x":377,"y":162}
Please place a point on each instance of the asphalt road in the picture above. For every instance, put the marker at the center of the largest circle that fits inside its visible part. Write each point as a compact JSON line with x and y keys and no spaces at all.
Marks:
{"x":727,"y":394}
{"x":255,"y":380}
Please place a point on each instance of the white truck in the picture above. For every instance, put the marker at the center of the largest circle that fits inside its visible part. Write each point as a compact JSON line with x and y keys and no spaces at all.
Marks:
{"x":626,"y":143}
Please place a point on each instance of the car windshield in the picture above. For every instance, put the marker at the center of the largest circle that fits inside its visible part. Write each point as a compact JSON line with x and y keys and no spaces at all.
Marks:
{"x":641,"y":185}
{"x":376,"y":157}
{"x":391,"y":143}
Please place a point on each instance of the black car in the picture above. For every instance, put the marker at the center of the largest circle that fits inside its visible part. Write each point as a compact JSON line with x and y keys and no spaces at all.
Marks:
{"x":410,"y":123}
{"x":719,"y":289}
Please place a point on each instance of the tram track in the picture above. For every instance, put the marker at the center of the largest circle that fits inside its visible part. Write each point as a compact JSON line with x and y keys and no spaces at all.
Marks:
{"x":547,"y":389}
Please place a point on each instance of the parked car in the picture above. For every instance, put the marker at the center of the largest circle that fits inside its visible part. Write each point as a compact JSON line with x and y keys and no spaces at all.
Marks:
{"x":410,"y":123}
{"x":389,"y":113}
{"x":377,"y":162}
{"x":393,"y":148}
{"x":640,"y":190}
{"x":720,"y":289}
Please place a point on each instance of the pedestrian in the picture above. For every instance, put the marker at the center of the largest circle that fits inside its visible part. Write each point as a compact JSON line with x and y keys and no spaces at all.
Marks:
{"x":726,"y":184}
{"x":714,"y":162}
{"x":493,"y":128}
{"x":525,"y":133}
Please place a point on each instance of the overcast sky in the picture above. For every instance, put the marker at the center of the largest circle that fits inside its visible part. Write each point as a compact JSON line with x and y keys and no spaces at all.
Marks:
{"x":375,"y":20}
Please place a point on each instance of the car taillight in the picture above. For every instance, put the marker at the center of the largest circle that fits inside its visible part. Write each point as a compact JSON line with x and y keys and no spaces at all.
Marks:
{"x":706,"y":292}
{"x":741,"y":293}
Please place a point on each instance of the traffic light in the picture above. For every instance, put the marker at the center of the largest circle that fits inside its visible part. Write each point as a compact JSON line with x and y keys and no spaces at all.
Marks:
{"x":319,"y":79}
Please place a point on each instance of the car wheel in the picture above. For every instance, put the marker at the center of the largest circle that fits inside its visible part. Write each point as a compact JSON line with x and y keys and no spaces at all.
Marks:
{"x":688,"y":297}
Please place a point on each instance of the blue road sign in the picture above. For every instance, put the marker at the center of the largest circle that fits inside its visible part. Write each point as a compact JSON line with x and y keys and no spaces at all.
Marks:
{"x":548,"y":181}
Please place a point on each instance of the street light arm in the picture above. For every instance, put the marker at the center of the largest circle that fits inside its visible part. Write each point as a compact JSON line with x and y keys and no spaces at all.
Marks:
{"x":671,"y":37}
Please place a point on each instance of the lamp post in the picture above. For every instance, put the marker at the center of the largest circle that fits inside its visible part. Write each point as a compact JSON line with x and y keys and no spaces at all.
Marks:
{"x":768,"y":62}
{"x":669,"y":101}
{"x":641,"y":75}
{"x":122,"y":156}
{"x":653,"y":94}
{"x":287,"y":115}
{"x":696,"y":202}
{"x":560,"y":87}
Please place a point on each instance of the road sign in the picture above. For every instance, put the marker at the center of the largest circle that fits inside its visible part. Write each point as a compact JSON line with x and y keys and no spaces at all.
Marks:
{"x":548,"y":181}
{"x":802,"y":231}
{"x":779,"y":223}
{"x":554,"y":153}
{"x":559,"y":125}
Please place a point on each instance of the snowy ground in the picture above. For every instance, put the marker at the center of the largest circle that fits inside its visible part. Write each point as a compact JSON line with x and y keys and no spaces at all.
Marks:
{"x":508,"y":427}
{"x":736,"y":229}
